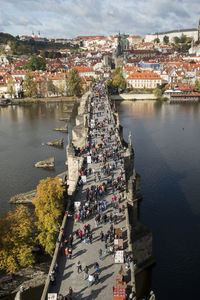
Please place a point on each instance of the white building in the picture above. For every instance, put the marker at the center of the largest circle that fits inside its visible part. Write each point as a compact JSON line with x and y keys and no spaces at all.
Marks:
{"x":193,"y":33}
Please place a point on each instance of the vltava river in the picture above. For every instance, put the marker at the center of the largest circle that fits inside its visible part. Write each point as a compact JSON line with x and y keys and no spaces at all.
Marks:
{"x":24,"y":130}
{"x":166,"y":157}
{"x":168,"y":160}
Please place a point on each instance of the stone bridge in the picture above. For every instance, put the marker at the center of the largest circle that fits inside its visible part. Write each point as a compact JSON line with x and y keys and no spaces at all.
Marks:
{"x":97,"y":124}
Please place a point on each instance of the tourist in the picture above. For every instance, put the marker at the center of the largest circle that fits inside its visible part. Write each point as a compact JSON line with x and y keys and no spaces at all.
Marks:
{"x":79,"y":267}
{"x":52,"y":277}
{"x":100,"y":254}
{"x":106,"y":248}
{"x":70,"y":293}
{"x":101,"y":235}
{"x":70,"y":240}
{"x":90,"y":280}
{"x":96,"y":278}
{"x":85,"y":275}
{"x":80,"y":233}
{"x":70,"y":252}
{"x":111,"y":250}
{"x":90,"y":238}
{"x":96,"y":267}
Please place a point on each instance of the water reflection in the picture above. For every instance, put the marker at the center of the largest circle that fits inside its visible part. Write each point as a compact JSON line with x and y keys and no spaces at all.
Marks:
{"x":168,"y":160}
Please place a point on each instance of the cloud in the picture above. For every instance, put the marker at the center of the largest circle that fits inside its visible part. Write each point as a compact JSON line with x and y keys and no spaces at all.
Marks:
{"x":69,"y":18}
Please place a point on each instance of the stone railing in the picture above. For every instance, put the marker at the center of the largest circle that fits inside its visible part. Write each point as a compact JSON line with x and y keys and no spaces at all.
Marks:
{"x":55,"y":258}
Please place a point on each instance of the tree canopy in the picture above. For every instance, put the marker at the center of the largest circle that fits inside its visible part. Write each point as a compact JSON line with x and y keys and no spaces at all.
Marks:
{"x":166,"y":40}
{"x":29,"y":85}
{"x":16,"y":239}
{"x":158,"y":91}
{"x":11,"y":87}
{"x":157,"y":40}
{"x":49,"y":209}
{"x":197,"y":85}
{"x":74,"y":83}
{"x":36,"y":63}
{"x":117,"y":81}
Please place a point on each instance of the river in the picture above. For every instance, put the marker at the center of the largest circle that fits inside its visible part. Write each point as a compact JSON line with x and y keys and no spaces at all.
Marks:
{"x":166,"y":157}
{"x":166,"y":142}
{"x":24,"y":130}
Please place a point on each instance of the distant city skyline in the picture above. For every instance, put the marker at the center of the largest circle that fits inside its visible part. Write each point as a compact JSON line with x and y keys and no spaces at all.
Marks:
{"x":70,"y":18}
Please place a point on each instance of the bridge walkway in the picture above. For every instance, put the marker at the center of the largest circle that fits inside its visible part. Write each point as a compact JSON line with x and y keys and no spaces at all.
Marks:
{"x":87,"y":254}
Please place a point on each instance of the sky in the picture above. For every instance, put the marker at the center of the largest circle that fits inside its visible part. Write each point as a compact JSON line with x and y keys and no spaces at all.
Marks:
{"x":70,"y":18}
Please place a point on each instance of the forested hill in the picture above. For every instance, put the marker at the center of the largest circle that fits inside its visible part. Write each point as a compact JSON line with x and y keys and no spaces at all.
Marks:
{"x":5,"y":37}
{"x":31,"y":47}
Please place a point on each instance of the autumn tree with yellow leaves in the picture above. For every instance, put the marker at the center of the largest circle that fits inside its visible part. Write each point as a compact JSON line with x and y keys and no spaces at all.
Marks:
{"x":49,"y":208}
{"x":16,"y":239}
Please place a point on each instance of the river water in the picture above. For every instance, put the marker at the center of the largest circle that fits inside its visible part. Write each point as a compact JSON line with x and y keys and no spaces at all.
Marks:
{"x":24,"y":130}
{"x":166,"y":157}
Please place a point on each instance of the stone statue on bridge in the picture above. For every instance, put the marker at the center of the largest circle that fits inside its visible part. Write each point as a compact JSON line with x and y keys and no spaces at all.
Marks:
{"x":130,"y":138}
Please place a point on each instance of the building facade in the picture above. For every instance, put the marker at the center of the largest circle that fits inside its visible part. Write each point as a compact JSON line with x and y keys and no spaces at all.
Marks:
{"x":140,"y":80}
{"x":193,"y":33}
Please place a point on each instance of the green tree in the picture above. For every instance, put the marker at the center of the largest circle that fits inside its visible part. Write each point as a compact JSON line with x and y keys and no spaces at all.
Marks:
{"x":176,"y":40}
{"x":61,"y":88}
{"x":49,"y":209}
{"x":51,"y":87}
{"x":197,"y":85}
{"x":156,"y":40}
{"x":36,"y":63}
{"x":109,"y":82}
{"x":166,"y":40}
{"x":183,"y":39}
{"x":11,"y":87}
{"x":119,"y":81}
{"x":16,"y":239}
{"x":116,"y":71}
{"x":74,"y":83}
{"x":158,"y":92}
{"x":29,"y":85}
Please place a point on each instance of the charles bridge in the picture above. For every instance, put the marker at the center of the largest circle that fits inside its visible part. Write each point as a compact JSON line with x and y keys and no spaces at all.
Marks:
{"x":137,"y":239}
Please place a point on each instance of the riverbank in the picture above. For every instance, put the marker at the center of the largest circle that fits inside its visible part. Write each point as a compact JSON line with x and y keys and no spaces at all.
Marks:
{"x":28,"y":277}
{"x":133,"y":97}
{"x":41,"y":100}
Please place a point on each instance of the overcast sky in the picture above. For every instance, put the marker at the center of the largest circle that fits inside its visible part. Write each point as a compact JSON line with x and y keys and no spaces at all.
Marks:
{"x":69,"y":18}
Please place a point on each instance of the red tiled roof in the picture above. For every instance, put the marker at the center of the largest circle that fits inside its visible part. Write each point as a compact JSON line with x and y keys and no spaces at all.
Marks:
{"x":83,"y":69}
{"x":144,"y":75}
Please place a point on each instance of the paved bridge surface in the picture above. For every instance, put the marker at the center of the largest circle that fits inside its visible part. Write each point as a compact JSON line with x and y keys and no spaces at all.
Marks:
{"x":67,"y":275}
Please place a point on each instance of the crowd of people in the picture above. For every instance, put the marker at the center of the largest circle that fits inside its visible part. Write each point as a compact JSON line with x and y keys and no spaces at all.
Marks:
{"x":106,"y":175}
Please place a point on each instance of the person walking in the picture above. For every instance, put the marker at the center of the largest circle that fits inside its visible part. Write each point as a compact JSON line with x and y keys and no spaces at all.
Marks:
{"x":102,"y":235}
{"x":96,"y":267}
{"x":90,"y":280}
{"x":106,"y":248}
{"x":70,"y":293}
{"x":71,"y":239}
{"x":80,"y":233}
{"x":90,"y":238}
{"x":70,"y":252}
{"x":105,"y":204}
{"x":85,"y":275}
{"x":96,"y":277}
{"x":100,"y":254}
{"x":79,"y":267}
